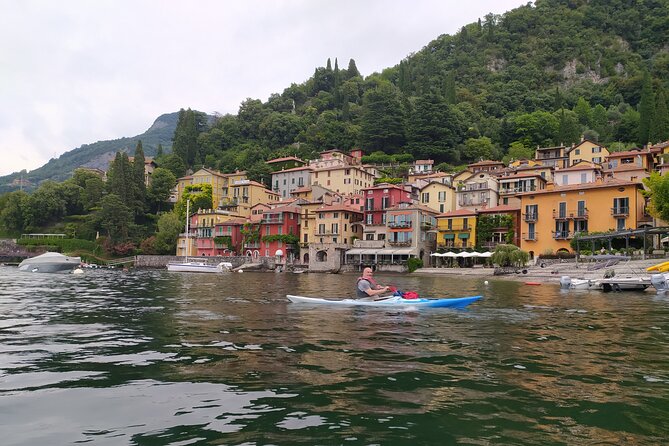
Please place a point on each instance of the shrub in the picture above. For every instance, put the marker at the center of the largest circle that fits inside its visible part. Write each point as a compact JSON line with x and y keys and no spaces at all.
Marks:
{"x":413,"y":264}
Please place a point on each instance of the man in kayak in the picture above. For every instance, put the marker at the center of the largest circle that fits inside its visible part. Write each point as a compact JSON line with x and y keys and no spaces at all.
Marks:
{"x":367,"y":286}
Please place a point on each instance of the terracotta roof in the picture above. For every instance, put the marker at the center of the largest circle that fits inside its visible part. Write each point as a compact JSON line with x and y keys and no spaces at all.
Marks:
{"x":285,"y":158}
{"x":436,"y":182}
{"x":385,"y":186}
{"x":613,"y":182}
{"x":457,"y":213}
{"x":499,"y":209}
{"x":339,"y":207}
{"x":580,"y":166}
{"x":234,"y":221}
{"x":551,"y":148}
{"x":624,"y":168}
{"x":485,"y":163}
{"x":520,"y":175}
{"x":294,"y":169}
{"x":301,"y":189}
{"x":346,"y":166}
{"x":628,"y":153}
{"x":412,"y":207}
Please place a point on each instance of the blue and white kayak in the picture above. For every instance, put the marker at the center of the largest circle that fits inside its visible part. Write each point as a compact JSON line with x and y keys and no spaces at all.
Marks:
{"x":392,"y":301}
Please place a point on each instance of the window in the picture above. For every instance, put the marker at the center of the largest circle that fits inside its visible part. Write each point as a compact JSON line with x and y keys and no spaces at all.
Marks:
{"x":321,"y":228}
{"x":292,"y":181}
{"x":300,"y":181}
{"x":385,"y":202}
{"x":581,"y":209}
{"x":620,"y":224}
{"x":279,"y":230}
{"x":584,"y":178}
{"x":441,"y":196}
{"x":565,"y":180}
{"x":335,"y":228}
{"x":441,"y":208}
{"x":531,"y":235}
{"x":597,"y":159}
{"x":621,"y":205}
{"x":505,"y":201}
{"x":369,"y":236}
{"x":577,"y":152}
{"x":425,"y":197}
{"x":369,"y":219}
{"x":383,"y":219}
{"x":370,"y":204}
{"x":596,"y":149}
{"x":562,"y":209}
{"x":449,"y":224}
{"x":284,"y":181}
{"x":581,"y":225}
{"x":267,"y":230}
{"x":465,"y":223}
{"x":335,"y":215}
{"x":306,"y":238}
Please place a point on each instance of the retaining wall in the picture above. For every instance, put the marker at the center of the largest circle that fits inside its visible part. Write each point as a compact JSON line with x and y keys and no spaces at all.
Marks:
{"x":162,"y":261}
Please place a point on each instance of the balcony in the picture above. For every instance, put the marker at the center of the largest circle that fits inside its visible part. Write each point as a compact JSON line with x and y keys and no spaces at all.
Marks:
{"x":516,"y":190}
{"x":272,"y":220}
{"x":397,"y":243}
{"x":463,"y":203}
{"x":252,"y":245}
{"x":531,"y":217}
{"x":620,"y":211}
{"x":563,"y":235}
{"x":399,"y":224}
{"x":426,"y":225}
{"x":455,"y":228}
{"x":581,"y":214}
{"x":474,"y":187}
{"x":530,"y":236}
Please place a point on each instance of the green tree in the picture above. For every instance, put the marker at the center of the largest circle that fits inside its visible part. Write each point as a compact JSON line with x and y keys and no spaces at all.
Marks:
{"x":251,"y":114}
{"x":660,"y":127}
{"x":13,"y":212}
{"x":260,"y":172}
{"x":160,"y":189}
{"x":382,"y":126}
{"x":44,"y":206}
{"x":199,"y":195}
{"x":138,"y":184}
{"x":280,"y":129}
{"x":583,"y":112}
{"x":657,"y":189}
{"x":509,"y":255}
{"x":480,"y":149}
{"x":94,"y":189}
{"x":449,"y":88}
{"x":170,"y":225}
{"x":628,"y":128}
{"x":174,"y":164}
{"x":114,"y":218}
{"x":538,"y":128}
{"x":119,"y":178}
{"x":518,"y":151}
{"x":189,"y":125}
{"x":352,"y":70}
{"x":600,"y":122}
{"x":646,"y":110}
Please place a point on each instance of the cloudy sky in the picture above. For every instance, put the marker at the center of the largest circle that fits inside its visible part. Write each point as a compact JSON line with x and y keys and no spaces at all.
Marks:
{"x":74,"y":72}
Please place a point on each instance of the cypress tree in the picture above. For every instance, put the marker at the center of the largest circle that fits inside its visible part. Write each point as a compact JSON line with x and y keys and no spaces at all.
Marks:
{"x":449,"y":88}
{"x":660,"y":129}
{"x":352,"y":70}
{"x":138,"y":184}
{"x":159,"y":152}
{"x":646,"y":109}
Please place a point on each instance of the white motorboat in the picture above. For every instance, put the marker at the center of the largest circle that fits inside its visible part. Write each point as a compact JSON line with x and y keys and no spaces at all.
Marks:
{"x":625,"y":283}
{"x":50,"y":262}
{"x":199,"y":266}
{"x":567,"y":283}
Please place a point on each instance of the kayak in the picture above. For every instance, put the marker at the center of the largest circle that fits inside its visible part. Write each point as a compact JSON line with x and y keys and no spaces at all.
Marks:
{"x":392,"y":301}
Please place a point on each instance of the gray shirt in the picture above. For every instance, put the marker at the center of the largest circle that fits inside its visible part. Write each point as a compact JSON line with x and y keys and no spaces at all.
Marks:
{"x":363,"y":287}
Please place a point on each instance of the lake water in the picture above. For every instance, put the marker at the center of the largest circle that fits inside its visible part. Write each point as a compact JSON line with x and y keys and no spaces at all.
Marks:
{"x":158,"y":358}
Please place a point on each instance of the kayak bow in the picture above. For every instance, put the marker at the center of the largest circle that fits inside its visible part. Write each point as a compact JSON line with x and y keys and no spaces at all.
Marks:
{"x":392,"y":301}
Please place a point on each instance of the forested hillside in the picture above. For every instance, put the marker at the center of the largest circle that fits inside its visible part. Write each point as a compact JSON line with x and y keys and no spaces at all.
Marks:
{"x":98,"y":154}
{"x":541,"y":74}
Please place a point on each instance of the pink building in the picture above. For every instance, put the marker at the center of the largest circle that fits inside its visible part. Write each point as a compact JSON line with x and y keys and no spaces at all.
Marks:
{"x":277,"y":222}
{"x":381,"y":197}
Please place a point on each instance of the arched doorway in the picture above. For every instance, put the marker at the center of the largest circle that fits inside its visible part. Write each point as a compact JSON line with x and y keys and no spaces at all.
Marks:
{"x":305,"y":258}
{"x":322,"y":256}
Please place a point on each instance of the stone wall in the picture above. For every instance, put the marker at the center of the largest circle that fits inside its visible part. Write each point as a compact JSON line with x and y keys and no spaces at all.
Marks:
{"x":162,"y":261}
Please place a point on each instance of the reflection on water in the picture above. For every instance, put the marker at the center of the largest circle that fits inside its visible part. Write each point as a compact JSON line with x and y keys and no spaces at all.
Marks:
{"x":163,"y":358}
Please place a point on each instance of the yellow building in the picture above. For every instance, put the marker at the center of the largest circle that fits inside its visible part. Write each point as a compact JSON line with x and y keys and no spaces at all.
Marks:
{"x":550,"y":217}
{"x":588,"y":151}
{"x":343,"y":179}
{"x":244,"y":194}
{"x":438,"y":196}
{"x":456,"y":229}
{"x":337,"y":223}
{"x":220,"y":183}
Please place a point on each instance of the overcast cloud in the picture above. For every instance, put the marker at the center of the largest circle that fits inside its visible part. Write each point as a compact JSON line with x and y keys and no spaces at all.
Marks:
{"x":74,"y":72}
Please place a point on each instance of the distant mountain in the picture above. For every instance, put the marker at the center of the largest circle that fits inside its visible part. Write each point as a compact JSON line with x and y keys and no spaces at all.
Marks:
{"x":97,"y":155}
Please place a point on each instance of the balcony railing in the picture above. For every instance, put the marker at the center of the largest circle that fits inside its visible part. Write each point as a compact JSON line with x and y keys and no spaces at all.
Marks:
{"x":581,"y":214}
{"x":456,"y":228}
{"x":563,"y":235}
{"x":273,"y":220}
{"x":252,"y":245}
{"x":531,"y":216}
{"x":403,"y":243}
{"x":620,"y":211}
{"x":463,"y":203}
{"x":516,"y":190}
{"x":399,"y":224}
{"x":327,"y":233}
{"x":530,"y":236}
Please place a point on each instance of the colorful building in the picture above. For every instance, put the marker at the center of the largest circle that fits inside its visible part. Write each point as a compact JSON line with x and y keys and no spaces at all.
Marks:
{"x":500,"y":221}
{"x":343,"y":179}
{"x":438,"y":196}
{"x":377,"y":200}
{"x":587,"y":151}
{"x":244,"y":194}
{"x":276,"y":224}
{"x":480,"y":190}
{"x":285,"y":181}
{"x":456,"y":229}
{"x":551,"y":217}
{"x":580,"y":173}
{"x":555,"y":157}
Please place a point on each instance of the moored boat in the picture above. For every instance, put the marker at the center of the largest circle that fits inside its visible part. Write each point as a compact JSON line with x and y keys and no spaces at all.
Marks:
{"x":392,"y":301}
{"x":198,"y":266}
{"x":50,"y":262}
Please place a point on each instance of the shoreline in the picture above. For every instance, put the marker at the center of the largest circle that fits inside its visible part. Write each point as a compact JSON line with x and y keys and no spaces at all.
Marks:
{"x":549,"y":274}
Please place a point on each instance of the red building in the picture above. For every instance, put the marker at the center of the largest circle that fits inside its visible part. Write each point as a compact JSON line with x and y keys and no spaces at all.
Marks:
{"x":227,"y":237}
{"x":381,"y":197}
{"x":277,"y":222}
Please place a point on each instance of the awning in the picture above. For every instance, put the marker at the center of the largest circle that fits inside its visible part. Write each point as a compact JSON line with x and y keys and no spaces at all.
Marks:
{"x":359,"y":251}
{"x":449,"y":236}
{"x":404,"y":251}
{"x":463,"y":235}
